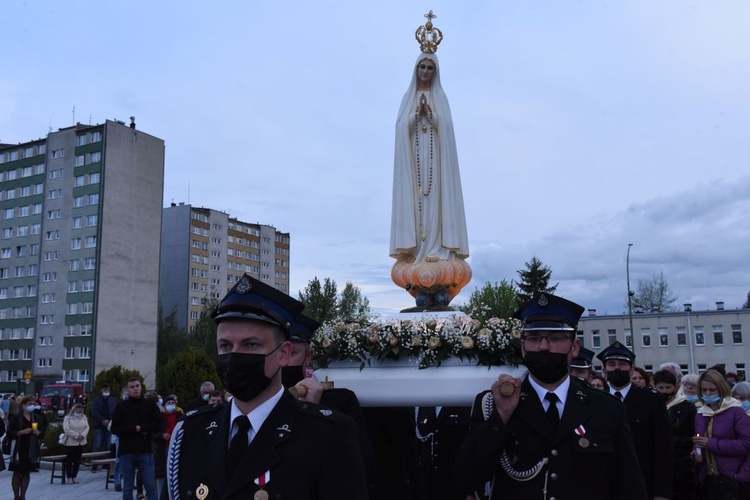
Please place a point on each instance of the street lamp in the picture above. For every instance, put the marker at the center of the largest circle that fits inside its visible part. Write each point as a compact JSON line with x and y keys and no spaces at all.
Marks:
{"x":688,"y":308}
{"x":630,"y":301}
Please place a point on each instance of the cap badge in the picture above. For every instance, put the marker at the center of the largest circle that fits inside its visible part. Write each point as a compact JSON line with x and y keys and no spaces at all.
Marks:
{"x":327,"y":413}
{"x":201,"y":492}
{"x":543,"y":300}
{"x":244,"y":286}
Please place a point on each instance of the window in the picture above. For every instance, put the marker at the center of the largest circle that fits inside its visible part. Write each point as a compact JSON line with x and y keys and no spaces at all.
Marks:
{"x":48,"y":298}
{"x":194,"y":314}
{"x":48,"y":319}
{"x":96,"y":156}
{"x":5,"y":253}
{"x":663,"y":337}
{"x":24,"y":211}
{"x":646,"y":337}
{"x":58,"y":153}
{"x":11,"y":174}
{"x":596,"y":340}
{"x":7,"y":232}
{"x":56,"y":174}
{"x":92,"y":220}
{"x":75,"y":244}
{"x":741,"y":371}
{"x":89,"y":263}
{"x":96,"y":136}
{"x":72,"y":287}
{"x":8,"y":213}
{"x":718,"y":334}
{"x":31,"y":291}
{"x":44,"y":363}
{"x":18,"y":291}
{"x":83,"y":375}
{"x":87,"y":308}
{"x":93,"y":199}
{"x":70,"y":352}
{"x":36,"y":228}
{"x":80,"y":160}
{"x":699,"y":336}
{"x":73,"y":308}
{"x":81,"y":140}
{"x":737,"y":334}
{"x":88,"y":285}
{"x":34,"y":249}
{"x":78,"y":201}
{"x":47,"y":277}
{"x":48,"y":256}
{"x":79,"y":180}
{"x":94,"y":178}
{"x":10,"y":194}
{"x":86,"y":330}
{"x":54,"y":194}
{"x":22,"y":231}
{"x":3,"y":293}
{"x":77,"y":222}
{"x":70,"y":331}
{"x":84,"y":352}
{"x":90,"y":242}
{"x":4,"y":272}
{"x":53,"y":235}
{"x":37,"y":207}
{"x":54,"y":214}
{"x":75,"y":265}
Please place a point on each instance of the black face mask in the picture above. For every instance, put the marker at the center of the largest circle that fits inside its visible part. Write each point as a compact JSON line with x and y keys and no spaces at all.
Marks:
{"x":547,"y":367}
{"x":618,"y":378}
{"x":244,"y":374}
{"x":290,"y":375}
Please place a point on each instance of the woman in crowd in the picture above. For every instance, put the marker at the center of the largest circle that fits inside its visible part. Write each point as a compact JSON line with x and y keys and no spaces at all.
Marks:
{"x":723,"y":436}
{"x":76,"y":428}
{"x":690,"y":388}
{"x":639,"y":377}
{"x":681,"y":415}
{"x":599,"y":382}
{"x":25,"y":435}
{"x":741,"y":392}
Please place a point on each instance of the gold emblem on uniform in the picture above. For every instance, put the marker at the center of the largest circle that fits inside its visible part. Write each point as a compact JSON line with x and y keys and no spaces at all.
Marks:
{"x":260,"y":495}
{"x":507,"y":389}
{"x":201,"y":492}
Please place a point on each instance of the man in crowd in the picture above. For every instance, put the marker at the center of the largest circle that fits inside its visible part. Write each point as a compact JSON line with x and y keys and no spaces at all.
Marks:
{"x":206,"y":389}
{"x":542,"y":433}
{"x":134,"y":421}
{"x":647,"y":417}
{"x":101,"y":414}
{"x":265,"y":443}
{"x":582,"y":365}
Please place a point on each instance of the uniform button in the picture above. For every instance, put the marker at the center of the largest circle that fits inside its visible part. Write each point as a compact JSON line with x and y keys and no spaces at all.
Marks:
{"x":596,"y":445}
{"x":553,"y":476}
{"x":553,"y":452}
{"x":552,"y":498}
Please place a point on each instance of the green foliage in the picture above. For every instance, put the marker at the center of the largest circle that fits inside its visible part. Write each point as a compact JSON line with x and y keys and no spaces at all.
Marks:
{"x":320,"y":301}
{"x":534,"y":280}
{"x":654,"y":295}
{"x":352,"y":306}
{"x":499,"y":300}
{"x":204,"y":337}
{"x":185,"y":372}
{"x":171,"y":339}
{"x":746,"y":305}
{"x":117,"y":377}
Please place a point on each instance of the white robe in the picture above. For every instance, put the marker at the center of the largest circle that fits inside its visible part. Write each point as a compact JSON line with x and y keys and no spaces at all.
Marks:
{"x":442,"y":219}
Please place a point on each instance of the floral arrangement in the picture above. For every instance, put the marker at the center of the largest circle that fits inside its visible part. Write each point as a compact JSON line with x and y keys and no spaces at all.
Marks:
{"x":488,"y":341}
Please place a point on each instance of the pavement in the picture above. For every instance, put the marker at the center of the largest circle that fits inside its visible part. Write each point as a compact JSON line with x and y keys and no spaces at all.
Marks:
{"x":91,"y":486}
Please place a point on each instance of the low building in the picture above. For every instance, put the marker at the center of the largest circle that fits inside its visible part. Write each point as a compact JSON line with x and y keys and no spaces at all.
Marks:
{"x":696,"y":340}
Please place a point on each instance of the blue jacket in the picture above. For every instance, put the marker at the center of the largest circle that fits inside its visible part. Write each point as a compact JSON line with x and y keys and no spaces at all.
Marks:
{"x":101,"y":409}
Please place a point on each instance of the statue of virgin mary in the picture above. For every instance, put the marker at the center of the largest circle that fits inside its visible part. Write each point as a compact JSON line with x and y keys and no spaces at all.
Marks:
{"x":428,"y":226}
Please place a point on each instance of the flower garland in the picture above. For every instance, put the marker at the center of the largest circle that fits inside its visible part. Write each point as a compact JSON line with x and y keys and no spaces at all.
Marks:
{"x":490,"y":341}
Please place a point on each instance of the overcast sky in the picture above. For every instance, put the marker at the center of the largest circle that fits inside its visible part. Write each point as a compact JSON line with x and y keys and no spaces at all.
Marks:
{"x":581,"y":126}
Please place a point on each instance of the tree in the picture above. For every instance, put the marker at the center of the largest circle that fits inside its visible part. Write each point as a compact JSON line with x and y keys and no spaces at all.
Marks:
{"x":204,"y":336}
{"x":185,"y":373}
{"x":170,"y":338}
{"x":352,"y":306}
{"x":746,"y":305}
{"x":320,"y":301}
{"x":117,"y":377}
{"x":654,"y":295}
{"x":534,"y":280}
{"x":499,"y":300}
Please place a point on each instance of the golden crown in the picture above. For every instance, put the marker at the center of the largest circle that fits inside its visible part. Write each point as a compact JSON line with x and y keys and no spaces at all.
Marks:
{"x":428,"y":36}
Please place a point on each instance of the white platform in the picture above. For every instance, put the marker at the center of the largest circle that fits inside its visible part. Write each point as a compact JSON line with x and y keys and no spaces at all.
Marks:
{"x":403,"y":384}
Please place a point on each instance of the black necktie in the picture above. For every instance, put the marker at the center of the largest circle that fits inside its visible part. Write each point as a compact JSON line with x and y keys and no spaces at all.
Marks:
{"x":618,"y":395}
{"x":239,"y":444}
{"x":552,"y":414}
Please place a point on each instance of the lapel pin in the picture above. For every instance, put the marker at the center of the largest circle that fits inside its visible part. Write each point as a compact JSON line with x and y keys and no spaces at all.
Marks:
{"x":201,"y":492}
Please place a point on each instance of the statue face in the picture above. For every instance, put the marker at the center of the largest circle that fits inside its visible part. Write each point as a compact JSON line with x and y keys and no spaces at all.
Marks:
{"x":425,"y":71}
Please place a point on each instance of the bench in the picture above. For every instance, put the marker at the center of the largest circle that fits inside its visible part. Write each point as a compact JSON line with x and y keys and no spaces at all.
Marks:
{"x":86,"y":459}
{"x":109,"y":477}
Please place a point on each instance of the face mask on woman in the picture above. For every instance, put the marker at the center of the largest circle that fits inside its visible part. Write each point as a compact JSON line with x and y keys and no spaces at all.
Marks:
{"x":711,"y":399}
{"x":170,"y":408}
{"x":31,"y":408}
{"x":693,"y":398}
{"x":78,"y":415}
{"x":746,"y":405}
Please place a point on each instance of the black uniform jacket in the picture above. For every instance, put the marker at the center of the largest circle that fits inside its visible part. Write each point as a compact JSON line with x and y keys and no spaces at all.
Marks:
{"x":604,"y":463}
{"x":311,"y":452}
{"x":652,"y":437}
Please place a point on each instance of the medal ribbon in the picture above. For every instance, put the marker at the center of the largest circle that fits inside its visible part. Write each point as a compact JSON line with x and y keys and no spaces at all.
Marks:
{"x":262,"y":480}
{"x":581,"y":431}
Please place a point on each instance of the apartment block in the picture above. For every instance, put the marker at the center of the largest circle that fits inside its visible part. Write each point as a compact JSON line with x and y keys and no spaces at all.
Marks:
{"x":80,"y":221}
{"x":205,"y":252}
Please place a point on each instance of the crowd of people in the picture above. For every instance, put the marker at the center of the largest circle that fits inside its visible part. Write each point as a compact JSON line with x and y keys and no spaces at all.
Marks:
{"x":279,"y":433}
